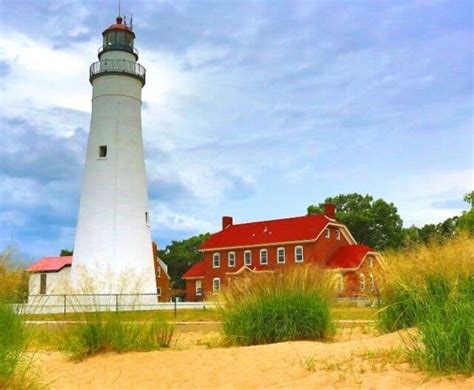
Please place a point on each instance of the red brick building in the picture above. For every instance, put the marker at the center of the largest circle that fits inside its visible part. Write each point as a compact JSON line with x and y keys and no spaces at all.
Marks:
{"x":269,"y":246}
{"x":163,"y":280}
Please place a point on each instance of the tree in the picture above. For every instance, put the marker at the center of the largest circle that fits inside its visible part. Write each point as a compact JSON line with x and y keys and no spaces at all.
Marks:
{"x":66,"y":252}
{"x":374,"y":223}
{"x":180,"y":255}
{"x":466,"y":220}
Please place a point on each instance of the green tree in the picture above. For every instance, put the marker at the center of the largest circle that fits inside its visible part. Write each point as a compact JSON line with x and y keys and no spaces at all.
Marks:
{"x":180,"y":255}
{"x":66,"y":252}
{"x":466,"y":220}
{"x":374,"y":223}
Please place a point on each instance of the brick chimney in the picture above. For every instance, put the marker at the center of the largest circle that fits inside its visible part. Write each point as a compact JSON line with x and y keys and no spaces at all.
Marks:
{"x":226,"y":221}
{"x":330,"y":210}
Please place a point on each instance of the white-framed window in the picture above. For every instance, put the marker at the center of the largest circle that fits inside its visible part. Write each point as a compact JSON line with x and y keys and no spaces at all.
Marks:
{"x":371,"y":262}
{"x":216,"y":260}
{"x":339,"y":282}
{"x":327,"y":233}
{"x":362,"y":282}
{"x":372,"y":282}
{"x":198,"y":287}
{"x":216,"y":284}
{"x":158,"y":271}
{"x":103,"y":151}
{"x":231,"y":259}
{"x":299,"y":254}
{"x":263,"y":256}
{"x":158,"y":291}
{"x":280,"y":255}
{"x":42,"y":284}
{"x":338,"y":234}
{"x":248,"y":257}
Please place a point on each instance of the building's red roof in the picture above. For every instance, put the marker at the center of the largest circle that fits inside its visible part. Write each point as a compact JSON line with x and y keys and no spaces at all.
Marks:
{"x":118,"y":26}
{"x":348,"y":256}
{"x":196,"y":271}
{"x":47,"y":264}
{"x":274,"y":231}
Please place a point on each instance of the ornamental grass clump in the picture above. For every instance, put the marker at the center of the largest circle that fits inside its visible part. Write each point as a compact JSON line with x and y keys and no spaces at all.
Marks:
{"x":293,"y":304}
{"x":101,"y":332}
{"x":431,"y":287}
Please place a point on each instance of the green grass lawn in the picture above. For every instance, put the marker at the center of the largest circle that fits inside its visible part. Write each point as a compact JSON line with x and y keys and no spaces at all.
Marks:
{"x":189,"y":315}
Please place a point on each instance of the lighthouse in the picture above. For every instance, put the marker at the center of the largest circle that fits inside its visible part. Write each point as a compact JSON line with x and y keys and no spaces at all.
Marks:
{"x":113,"y":246}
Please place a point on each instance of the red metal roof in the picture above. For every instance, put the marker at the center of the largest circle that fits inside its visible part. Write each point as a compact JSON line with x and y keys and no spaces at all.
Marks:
{"x":303,"y":228}
{"x":196,"y":271}
{"x":47,"y":264}
{"x":348,"y":256}
{"x":118,"y":26}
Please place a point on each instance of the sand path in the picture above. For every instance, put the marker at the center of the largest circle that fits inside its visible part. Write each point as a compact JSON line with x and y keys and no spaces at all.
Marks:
{"x":291,"y":365}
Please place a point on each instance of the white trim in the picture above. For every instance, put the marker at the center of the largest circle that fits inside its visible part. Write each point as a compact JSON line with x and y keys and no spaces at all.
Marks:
{"x":346,"y":233}
{"x":377,"y":256}
{"x":247,"y":251}
{"x":327,"y":232}
{"x":214,"y":286}
{"x":192,"y":277}
{"x":302,"y":254}
{"x":362,"y":282}
{"x":228,"y":259}
{"x":260,"y":257}
{"x":278,"y":255}
{"x":219,"y":256}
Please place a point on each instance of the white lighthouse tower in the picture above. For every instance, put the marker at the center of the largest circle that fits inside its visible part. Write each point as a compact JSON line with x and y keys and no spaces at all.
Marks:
{"x":113,"y":248}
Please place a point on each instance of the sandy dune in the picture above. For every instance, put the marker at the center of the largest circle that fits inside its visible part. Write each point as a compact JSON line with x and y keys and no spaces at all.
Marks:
{"x":290,"y":365}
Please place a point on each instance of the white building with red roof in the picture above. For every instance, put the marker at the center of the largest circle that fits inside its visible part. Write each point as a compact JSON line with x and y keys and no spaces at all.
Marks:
{"x":269,"y":246}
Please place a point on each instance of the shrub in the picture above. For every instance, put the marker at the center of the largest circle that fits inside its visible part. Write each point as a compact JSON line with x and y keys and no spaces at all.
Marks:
{"x":432,"y":287}
{"x":114,"y":332}
{"x":275,"y":307}
{"x":13,"y":343}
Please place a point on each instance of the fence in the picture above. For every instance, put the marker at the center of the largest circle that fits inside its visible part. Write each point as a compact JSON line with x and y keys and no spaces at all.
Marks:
{"x":75,"y":303}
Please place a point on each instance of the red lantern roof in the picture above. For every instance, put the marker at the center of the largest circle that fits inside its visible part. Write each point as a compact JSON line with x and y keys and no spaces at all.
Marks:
{"x":118,"y":26}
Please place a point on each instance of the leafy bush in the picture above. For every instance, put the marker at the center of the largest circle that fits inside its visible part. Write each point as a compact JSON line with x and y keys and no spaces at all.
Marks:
{"x":275,"y":307}
{"x":117,"y":332}
{"x":13,"y":343}
{"x":432,"y":287}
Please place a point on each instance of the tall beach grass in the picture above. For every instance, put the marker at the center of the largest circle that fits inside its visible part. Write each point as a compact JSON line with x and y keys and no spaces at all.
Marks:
{"x":101,"y":332}
{"x":432,"y":287}
{"x":290,"y":305}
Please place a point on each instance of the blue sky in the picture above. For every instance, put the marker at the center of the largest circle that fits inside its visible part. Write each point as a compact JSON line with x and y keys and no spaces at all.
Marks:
{"x":251,"y":109}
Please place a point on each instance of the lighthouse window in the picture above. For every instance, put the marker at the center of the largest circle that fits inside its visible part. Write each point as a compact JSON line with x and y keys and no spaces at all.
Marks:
{"x":121,"y":37}
{"x":102,"y":151}
{"x":146,"y":217}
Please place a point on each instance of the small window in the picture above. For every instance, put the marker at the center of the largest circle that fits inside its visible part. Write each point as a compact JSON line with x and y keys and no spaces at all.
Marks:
{"x":299,"y":254}
{"x":372,"y":282}
{"x":158,"y":291}
{"x":198,"y":287}
{"x":158,"y":271}
{"x":263,"y":256}
{"x":248,"y":257}
{"x":216,"y":284}
{"x":216,"y":260}
{"x":43,"y":284}
{"x":231,"y":259}
{"x":103,"y":151}
{"x":371,"y":262}
{"x":147,"y":218}
{"x":339,"y":282}
{"x":280,"y":255}
{"x":338,"y":234}
{"x":362,"y":282}
{"x":327,"y":233}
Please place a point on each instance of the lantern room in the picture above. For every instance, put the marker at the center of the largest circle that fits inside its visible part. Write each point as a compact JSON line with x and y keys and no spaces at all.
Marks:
{"x":118,"y":36}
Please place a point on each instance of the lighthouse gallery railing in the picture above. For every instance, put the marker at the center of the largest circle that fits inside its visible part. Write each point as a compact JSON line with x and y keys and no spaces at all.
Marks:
{"x":118,"y":67}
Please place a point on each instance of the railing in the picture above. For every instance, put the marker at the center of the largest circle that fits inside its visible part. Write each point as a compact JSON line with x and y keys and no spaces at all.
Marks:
{"x":76,"y":303}
{"x":118,"y":67}
{"x":118,"y":46}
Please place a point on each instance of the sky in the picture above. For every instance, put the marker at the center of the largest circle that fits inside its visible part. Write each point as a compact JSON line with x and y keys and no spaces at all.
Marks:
{"x":254,"y":109}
